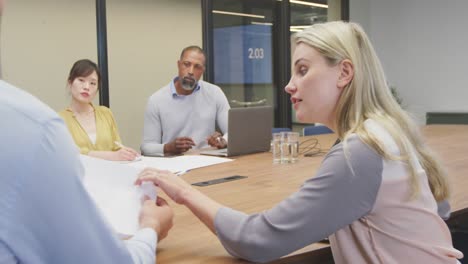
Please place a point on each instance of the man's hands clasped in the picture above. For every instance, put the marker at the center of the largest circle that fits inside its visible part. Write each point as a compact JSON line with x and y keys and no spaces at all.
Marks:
{"x":179,"y":145}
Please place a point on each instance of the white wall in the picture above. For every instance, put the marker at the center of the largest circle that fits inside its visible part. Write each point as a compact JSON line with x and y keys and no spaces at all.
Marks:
{"x":42,"y":39}
{"x":422,"y":45}
{"x":359,"y":12}
{"x":145,"y":38}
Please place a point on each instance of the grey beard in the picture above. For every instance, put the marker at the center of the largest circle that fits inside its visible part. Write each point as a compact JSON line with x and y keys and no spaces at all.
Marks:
{"x":188,"y":86}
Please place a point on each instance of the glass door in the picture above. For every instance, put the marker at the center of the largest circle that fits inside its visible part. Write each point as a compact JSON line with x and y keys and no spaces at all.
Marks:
{"x":249,"y":50}
{"x":242,"y":51}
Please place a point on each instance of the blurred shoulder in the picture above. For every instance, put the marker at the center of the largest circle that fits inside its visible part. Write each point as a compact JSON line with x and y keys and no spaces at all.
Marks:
{"x":18,"y":103}
{"x":27,"y":122}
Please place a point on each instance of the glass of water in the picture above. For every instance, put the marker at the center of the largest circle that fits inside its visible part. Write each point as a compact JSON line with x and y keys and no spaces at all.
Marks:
{"x":293,"y":139}
{"x":289,"y":147}
{"x":276,"y":147}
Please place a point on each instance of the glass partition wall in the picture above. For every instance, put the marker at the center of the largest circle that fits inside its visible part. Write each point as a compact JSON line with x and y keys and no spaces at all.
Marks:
{"x":249,"y":50}
{"x":303,"y":15}
{"x":242,"y":35}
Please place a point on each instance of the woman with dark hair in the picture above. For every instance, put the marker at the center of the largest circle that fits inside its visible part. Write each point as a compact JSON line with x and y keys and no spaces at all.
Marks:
{"x":93,"y":128}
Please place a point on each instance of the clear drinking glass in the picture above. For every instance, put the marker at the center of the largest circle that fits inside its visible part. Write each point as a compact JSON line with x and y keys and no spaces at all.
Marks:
{"x":276,"y":147}
{"x":284,"y":148}
{"x":289,"y":147}
{"x":293,"y":139}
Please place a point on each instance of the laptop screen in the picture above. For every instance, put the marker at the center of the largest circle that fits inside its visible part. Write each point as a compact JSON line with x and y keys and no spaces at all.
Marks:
{"x":249,"y":130}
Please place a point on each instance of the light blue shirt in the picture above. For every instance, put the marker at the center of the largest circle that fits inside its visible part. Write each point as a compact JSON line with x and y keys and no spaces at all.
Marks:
{"x":46,"y":215}
{"x":169,"y":115}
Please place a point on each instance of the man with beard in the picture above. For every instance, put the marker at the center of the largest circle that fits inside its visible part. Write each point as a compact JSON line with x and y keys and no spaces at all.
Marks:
{"x":184,"y":114}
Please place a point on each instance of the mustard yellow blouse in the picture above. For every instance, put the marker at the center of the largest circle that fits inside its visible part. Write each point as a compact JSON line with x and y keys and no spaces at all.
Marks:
{"x":106,"y":130}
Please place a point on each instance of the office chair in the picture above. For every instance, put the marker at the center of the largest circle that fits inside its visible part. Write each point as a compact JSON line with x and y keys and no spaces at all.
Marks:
{"x":458,"y":225}
{"x":280,"y":129}
{"x":316,"y":130}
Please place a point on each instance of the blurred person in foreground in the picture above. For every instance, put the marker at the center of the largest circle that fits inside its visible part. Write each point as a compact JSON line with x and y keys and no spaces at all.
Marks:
{"x":46,"y":214}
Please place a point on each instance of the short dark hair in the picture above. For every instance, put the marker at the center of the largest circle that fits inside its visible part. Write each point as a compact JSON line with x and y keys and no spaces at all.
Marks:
{"x":194,"y":48}
{"x":83,"y":68}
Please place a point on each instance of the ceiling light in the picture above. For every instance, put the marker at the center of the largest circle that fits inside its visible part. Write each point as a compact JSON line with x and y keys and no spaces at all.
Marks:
{"x":237,"y":14}
{"x":308,"y":3}
{"x":301,"y":27}
{"x":298,"y":28}
{"x":261,"y":23}
{"x":295,"y":29}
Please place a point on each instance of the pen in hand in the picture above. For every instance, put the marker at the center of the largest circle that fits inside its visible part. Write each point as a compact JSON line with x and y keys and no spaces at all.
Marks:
{"x":119,"y":144}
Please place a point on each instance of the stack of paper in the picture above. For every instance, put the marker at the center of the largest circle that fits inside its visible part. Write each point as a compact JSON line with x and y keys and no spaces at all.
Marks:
{"x":178,"y":163}
{"x":111,"y":185}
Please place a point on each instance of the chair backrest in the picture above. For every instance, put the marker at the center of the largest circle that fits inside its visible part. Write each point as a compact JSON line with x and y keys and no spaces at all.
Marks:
{"x":316,"y":130}
{"x":458,"y":225}
{"x":280,"y":129}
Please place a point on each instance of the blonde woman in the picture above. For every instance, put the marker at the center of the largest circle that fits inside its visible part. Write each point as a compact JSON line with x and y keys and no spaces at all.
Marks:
{"x":93,"y":128}
{"x":375,"y":195}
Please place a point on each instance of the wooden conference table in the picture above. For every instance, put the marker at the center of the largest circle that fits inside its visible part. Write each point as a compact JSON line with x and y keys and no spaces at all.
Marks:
{"x":266,"y":184}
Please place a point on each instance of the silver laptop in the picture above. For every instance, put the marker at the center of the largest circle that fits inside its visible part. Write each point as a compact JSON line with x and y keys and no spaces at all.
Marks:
{"x":249,"y":131}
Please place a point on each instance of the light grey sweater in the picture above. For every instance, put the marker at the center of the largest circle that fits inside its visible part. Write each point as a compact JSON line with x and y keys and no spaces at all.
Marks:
{"x":169,"y":115}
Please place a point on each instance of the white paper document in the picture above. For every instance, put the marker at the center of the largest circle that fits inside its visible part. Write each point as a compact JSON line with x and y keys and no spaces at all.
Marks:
{"x":178,"y":163}
{"x":111,"y":186}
